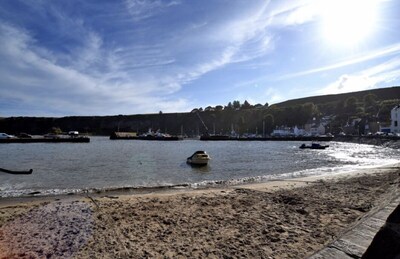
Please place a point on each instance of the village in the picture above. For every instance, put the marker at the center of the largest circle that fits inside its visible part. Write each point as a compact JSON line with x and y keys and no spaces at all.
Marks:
{"x":358,"y":126}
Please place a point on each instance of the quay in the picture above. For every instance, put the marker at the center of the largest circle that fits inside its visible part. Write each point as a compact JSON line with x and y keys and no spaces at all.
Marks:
{"x":226,"y":138}
{"x":46,"y":140}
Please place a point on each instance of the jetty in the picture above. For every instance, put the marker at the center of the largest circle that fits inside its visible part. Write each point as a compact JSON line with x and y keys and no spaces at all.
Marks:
{"x":42,"y":139}
{"x":290,"y":138}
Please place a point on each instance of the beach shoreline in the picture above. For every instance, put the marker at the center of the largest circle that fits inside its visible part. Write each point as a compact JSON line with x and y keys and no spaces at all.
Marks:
{"x":288,"y":218}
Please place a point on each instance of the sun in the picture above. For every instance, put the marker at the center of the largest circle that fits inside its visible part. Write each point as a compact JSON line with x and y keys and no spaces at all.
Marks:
{"x":348,"y":22}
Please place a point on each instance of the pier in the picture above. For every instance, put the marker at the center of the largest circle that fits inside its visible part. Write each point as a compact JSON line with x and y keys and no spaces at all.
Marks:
{"x":46,"y":140}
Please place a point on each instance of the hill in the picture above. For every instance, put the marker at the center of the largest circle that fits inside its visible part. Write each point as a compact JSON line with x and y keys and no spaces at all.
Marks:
{"x":381,"y":94}
{"x":372,"y":105}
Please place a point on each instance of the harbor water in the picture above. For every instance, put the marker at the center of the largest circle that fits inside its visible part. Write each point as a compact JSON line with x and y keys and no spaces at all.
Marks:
{"x":104,"y":164}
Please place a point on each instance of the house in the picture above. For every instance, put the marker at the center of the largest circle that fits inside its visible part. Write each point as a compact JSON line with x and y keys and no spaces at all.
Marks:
{"x":356,"y":126}
{"x":317,"y":130}
{"x":282,"y":131}
{"x":299,"y":132}
{"x":314,"y":127}
{"x":395,"y":119}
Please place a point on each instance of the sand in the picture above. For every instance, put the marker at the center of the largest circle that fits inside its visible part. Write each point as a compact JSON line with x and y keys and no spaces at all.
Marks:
{"x":277,"y":219}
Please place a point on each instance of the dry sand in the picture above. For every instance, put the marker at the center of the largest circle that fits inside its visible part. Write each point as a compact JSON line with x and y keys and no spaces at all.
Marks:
{"x":279,"y":219}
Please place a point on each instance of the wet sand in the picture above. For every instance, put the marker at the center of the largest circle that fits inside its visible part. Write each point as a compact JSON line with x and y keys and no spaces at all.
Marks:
{"x":278,"y":219}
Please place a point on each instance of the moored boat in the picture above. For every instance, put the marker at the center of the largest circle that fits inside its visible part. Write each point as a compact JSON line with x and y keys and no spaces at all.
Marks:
{"x":215,"y":137}
{"x":16,"y":172}
{"x":198,"y":158}
{"x":314,"y":146}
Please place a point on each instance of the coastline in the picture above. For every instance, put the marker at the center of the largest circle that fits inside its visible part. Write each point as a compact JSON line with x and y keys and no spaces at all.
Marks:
{"x":283,"y":218}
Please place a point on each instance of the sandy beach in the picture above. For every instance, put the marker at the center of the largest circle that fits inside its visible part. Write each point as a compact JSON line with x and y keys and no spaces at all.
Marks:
{"x":277,"y":219}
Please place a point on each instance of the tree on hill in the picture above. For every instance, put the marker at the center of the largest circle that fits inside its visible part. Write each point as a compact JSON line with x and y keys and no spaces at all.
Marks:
{"x":219,"y":108}
{"x":309,"y":110}
{"x":236,"y":104}
{"x":350,"y":105}
{"x":229,"y":106}
{"x":371,"y":105}
{"x":246,"y":105}
{"x":269,"y":123}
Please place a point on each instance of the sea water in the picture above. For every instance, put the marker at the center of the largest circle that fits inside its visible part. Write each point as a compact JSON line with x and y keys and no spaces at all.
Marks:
{"x":105,"y":164}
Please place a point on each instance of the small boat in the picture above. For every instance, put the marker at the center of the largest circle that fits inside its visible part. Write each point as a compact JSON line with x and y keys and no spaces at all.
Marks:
{"x":314,"y":146}
{"x":15,"y":172}
{"x":198,"y":158}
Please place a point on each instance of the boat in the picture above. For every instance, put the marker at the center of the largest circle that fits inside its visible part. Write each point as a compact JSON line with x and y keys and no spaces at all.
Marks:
{"x":198,"y":158}
{"x":150,"y":135}
{"x":314,"y":146}
{"x":16,"y":172}
{"x":215,"y":137}
{"x":158,"y":136}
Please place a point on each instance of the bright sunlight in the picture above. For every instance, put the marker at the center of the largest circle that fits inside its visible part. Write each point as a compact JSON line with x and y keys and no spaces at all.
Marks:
{"x":348,"y":22}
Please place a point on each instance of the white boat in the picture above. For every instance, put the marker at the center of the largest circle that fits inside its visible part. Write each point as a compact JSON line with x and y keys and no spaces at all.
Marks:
{"x":198,"y":158}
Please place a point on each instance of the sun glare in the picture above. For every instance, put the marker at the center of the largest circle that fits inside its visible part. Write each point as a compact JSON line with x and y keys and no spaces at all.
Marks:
{"x":348,"y":22}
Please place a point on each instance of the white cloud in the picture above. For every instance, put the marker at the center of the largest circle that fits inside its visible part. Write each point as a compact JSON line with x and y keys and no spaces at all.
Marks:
{"x":369,"y":78}
{"x":237,"y":40}
{"x":143,"y":9}
{"x":291,"y":13}
{"x":383,"y":52}
{"x":41,"y":84}
{"x":348,"y":83}
{"x":126,"y":67}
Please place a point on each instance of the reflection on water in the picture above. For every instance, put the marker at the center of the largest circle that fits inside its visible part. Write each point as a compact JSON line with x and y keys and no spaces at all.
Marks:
{"x":113,"y":164}
{"x":200,"y":168}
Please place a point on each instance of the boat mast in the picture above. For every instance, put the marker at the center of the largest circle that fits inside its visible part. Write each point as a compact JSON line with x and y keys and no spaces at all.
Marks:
{"x":205,"y":126}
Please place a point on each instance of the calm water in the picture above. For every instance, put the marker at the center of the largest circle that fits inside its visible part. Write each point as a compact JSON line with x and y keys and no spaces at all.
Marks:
{"x":106,"y":164}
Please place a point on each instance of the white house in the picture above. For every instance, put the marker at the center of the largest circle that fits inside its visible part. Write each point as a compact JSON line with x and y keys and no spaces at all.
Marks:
{"x":282,"y":131}
{"x":299,"y":132}
{"x":314,"y":127}
{"x":395,"y":119}
{"x":317,"y":130}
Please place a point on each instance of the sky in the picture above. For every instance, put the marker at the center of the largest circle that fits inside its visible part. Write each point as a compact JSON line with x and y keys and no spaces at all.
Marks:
{"x":99,"y":57}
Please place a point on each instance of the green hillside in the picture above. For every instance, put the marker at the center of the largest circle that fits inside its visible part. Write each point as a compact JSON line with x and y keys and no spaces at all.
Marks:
{"x":369,"y":106}
{"x":381,"y":95}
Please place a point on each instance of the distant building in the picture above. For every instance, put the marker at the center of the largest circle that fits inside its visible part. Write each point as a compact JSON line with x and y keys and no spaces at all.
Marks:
{"x":314,"y":127}
{"x":317,"y":130}
{"x":395,"y":119}
{"x":299,"y":132}
{"x":282,"y":131}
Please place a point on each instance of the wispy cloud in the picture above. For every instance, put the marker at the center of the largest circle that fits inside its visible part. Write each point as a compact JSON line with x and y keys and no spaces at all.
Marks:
{"x":137,"y":56}
{"x":383,"y":73}
{"x":387,"y":51}
{"x":40,"y":81}
{"x":291,"y":13}
{"x":239,"y":40}
{"x":143,"y":9}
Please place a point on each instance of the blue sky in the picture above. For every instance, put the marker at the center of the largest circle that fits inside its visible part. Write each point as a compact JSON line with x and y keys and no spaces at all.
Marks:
{"x":94,"y":57}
